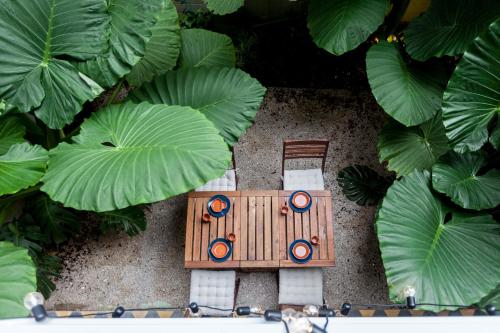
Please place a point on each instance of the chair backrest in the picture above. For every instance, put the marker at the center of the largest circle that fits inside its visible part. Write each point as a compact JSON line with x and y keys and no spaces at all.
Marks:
{"x":293,"y":149}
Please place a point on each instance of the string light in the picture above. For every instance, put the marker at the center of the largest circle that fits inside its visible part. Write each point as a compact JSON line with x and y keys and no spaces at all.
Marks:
{"x":34,"y":303}
{"x":409,"y":294}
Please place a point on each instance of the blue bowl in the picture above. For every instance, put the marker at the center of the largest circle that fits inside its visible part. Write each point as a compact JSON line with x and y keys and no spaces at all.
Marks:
{"x":297,"y":260}
{"x":228,"y":254}
{"x":222,"y":212}
{"x":297,"y":209}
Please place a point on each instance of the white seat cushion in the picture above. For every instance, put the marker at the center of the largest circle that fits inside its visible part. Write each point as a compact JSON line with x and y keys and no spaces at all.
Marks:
{"x":225,"y":183}
{"x":311,"y":179}
{"x":213,"y":288}
{"x":301,"y":286}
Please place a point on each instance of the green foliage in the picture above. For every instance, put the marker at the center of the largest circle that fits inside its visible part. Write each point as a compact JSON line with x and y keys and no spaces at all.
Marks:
{"x":11,"y":132}
{"x":223,"y":7}
{"x":131,"y":23}
{"x":409,"y":148}
{"x":339,"y":26}
{"x":206,"y":48}
{"x":34,"y":72}
{"x":228,"y":97}
{"x":47,"y":268}
{"x":57,"y":222}
{"x":362,"y":184}
{"x":409,"y":92}
{"x":125,"y":154}
{"x":21,"y":167}
{"x":472,"y":98}
{"x":458,"y":176}
{"x":131,"y":220}
{"x":493,"y":298}
{"x":439,"y":248}
{"x":17,"y":274}
{"x":439,"y":251}
{"x":448,"y":27}
{"x":160,"y":150}
{"x":162,"y":50}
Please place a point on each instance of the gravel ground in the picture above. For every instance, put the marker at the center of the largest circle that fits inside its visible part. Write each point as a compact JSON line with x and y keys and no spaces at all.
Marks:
{"x":103,"y":271}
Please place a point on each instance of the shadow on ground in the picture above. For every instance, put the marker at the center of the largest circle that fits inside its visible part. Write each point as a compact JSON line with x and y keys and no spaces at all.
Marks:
{"x":104,"y":271}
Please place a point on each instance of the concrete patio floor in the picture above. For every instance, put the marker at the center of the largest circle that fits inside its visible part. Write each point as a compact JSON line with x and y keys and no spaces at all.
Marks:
{"x":147,"y":270}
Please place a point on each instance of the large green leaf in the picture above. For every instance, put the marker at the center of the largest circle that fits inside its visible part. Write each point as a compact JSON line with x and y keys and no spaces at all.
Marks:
{"x":339,"y":26}
{"x":456,"y":175}
{"x":448,"y":27}
{"x":22,"y":166}
{"x":162,"y":50}
{"x":472,"y":98}
{"x":131,"y":24}
{"x":228,"y":97}
{"x":17,"y":278}
{"x":36,"y":38}
{"x":206,"y":48}
{"x":493,"y":298}
{"x":449,"y":257}
{"x":223,"y":7}
{"x":362,"y":185}
{"x":132,"y":154}
{"x":11,"y":132}
{"x":410,"y":93}
{"x":409,"y":148}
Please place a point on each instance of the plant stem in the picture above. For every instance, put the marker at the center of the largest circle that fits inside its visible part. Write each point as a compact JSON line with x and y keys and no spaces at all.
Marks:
{"x":61,"y":134}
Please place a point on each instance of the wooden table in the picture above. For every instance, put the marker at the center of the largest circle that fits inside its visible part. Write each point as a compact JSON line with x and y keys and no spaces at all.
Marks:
{"x":263,"y":234}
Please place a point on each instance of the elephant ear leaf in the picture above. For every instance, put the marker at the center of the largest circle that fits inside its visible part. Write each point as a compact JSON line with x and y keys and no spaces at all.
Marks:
{"x":471,"y":100}
{"x":493,"y":298}
{"x":223,"y":7}
{"x":409,"y":148}
{"x":131,"y":23}
{"x":439,"y":252}
{"x":21,"y":167}
{"x":162,"y":50}
{"x":17,"y":278}
{"x":411,"y":93}
{"x":206,"y":48}
{"x":448,"y":27}
{"x":11,"y":132}
{"x":458,"y":177}
{"x":362,"y":184}
{"x":132,"y":154}
{"x":228,"y":97}
{"x":339,"y":26}
{"x":36,"y":74}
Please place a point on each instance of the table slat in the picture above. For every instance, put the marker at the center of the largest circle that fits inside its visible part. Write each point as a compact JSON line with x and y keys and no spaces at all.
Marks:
{"x":313,"y":220}
{"x":251,"y":228}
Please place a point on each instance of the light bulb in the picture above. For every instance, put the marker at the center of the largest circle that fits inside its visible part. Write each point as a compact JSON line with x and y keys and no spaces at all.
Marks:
{"x":311,"y":310}
{"x":256,"y":309}
{"x":409,"y":291}
{"x":34,"y":303}
{"x":33,"y":299}
{"x":297,"y":321}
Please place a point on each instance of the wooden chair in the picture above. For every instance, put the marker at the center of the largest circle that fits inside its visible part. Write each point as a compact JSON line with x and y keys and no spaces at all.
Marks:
{"x":310,"y":179}
{"x":228,"y":182}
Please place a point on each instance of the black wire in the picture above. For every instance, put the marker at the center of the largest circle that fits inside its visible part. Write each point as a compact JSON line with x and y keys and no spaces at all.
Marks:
{"x":326,"y":323}
{"x":81,"y":315}
{"x":286,"y":326}
{"x":214,"y":308}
